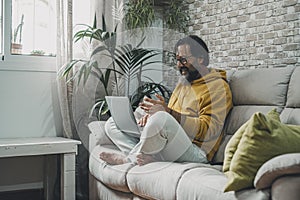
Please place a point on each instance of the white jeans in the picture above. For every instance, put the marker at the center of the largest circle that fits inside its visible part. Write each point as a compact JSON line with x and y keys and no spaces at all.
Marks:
{"x":162,"y":136}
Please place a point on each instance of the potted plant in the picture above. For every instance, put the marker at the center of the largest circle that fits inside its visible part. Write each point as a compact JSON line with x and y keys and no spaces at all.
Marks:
{"x":127,"y":61}
{"x":16,"y":45}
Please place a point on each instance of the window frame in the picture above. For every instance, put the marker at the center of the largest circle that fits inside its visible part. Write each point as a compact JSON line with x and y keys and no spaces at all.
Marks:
{"x":20,"y":62}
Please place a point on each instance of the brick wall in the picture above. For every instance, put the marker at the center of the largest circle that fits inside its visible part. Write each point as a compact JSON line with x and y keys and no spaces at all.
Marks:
{"x":246,"y":33}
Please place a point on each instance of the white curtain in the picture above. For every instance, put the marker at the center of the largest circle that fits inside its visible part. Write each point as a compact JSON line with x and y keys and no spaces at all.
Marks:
{"x":65,"y":92}
{"x":106,"y":7}
{"x":64,"y":55}
{"x":75,"y":100}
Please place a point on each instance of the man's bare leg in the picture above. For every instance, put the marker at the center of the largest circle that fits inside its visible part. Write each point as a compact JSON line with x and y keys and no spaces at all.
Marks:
{"x":113,"y":158}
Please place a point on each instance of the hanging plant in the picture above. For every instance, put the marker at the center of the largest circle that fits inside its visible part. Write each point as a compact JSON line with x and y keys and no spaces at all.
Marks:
{"x":176,"y":17}
{"x":139,"y":14}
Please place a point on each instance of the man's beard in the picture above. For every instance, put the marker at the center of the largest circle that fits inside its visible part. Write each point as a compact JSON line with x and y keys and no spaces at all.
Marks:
{"x":190,"y":75}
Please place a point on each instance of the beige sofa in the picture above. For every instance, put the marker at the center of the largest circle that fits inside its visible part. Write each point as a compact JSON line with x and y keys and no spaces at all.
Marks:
{"x":253,"y":90}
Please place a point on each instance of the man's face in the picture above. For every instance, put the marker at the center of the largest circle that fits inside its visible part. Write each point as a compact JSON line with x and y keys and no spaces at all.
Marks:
{"x":186,"y":63}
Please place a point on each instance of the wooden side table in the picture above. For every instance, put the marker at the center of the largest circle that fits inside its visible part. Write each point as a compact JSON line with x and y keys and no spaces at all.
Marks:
{"x":66,"y":148}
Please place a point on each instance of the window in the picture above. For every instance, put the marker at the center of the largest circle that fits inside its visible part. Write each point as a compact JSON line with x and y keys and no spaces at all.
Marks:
{"x":1,"y":29}
{"x":33,"y":27}
{"x":28,"y":30}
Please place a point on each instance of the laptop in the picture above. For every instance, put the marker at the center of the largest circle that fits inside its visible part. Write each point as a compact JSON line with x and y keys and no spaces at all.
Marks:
{"x":122,"y":113}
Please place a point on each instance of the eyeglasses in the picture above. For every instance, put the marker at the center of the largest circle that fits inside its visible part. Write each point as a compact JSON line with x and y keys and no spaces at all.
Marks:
{"x":182,"y":60}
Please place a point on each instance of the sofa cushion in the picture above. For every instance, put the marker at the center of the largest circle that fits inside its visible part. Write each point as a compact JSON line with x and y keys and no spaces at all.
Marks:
{"x":241,"y":114}
{"x":262,"y":138}
{"x":105,"y":192}
{"x":293,"y":95}
{"x":203,"y":183}
{"x":158,"y":180}
{"x":253,"y":194}
{"x":272,"y":169}
{"x":219,"y":155}
{"x":113,"y":176}
{"x":97,"y":129}
{"x":237,"y":117}
{"x":291,"y":116}
{"x":249,"y":87}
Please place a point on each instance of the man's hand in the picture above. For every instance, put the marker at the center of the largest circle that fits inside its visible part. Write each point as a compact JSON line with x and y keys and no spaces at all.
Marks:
{"x":142,"y":122}
{"x":151,"y":106}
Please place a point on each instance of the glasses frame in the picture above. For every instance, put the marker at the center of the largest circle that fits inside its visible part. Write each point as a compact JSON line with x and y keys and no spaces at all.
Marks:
{"x":182,"y":60}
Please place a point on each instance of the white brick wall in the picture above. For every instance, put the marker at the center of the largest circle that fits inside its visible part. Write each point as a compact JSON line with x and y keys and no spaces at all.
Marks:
{"x":246,"y":33}
{"x":243,"y":34}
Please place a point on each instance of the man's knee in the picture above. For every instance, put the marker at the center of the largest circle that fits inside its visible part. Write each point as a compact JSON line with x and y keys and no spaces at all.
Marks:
{"x":162,"y":116}
{"x":159,"y":119}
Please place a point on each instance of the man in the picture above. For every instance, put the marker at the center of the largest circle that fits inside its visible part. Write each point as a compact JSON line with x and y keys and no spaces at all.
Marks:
{"x":189,"y":128}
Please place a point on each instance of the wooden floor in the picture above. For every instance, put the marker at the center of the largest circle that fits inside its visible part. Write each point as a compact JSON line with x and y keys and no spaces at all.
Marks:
{"x":36,"y":194}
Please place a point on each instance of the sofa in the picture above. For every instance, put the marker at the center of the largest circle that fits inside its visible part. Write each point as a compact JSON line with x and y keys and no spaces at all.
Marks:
{"x":253,"y":90}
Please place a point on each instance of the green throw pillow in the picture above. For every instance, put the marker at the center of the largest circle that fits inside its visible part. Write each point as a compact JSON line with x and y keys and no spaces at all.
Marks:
{"x":257,"y":141}
{"x":235,"y":140}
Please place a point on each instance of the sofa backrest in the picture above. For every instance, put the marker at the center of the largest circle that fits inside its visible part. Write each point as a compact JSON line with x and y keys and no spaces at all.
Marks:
{"x":291,"y":111}
{"x":260,"y":90}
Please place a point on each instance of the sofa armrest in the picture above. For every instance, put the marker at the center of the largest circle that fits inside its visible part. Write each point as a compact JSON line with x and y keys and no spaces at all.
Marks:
{"x":97,"y":135}
{"x":286,"y":164}
{"x":286,"y":188}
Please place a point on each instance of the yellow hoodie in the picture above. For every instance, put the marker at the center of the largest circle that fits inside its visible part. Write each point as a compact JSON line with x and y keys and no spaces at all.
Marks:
{"x":204,"y":105}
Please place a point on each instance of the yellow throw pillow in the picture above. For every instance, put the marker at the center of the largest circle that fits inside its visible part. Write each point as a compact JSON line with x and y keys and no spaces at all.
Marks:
{"x":258,"y":140}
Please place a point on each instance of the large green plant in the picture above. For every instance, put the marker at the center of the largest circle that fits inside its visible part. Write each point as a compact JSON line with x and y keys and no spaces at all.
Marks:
{"x":130,"y":62}
{"x":127,"y":61}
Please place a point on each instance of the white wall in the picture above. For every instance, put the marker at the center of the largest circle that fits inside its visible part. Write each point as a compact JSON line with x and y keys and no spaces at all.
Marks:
{"x":26,"y":104}
{"x":28,"y":108}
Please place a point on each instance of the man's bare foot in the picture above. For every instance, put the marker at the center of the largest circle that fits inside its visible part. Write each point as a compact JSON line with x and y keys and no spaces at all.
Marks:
{"x":113,"y":158}
{"x":143,"y":159}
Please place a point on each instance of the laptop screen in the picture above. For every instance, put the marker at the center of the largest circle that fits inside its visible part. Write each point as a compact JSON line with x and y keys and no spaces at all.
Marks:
{"x":122,"y":114}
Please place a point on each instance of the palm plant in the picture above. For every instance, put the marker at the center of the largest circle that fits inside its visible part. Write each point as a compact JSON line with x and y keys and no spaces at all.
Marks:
{"x":127,"y":61}
{"x":87,"y":65}
{"x":131,"y":61}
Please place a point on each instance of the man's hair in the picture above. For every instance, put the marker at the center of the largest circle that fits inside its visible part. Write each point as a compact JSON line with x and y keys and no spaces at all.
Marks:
{"x":198,"y":47}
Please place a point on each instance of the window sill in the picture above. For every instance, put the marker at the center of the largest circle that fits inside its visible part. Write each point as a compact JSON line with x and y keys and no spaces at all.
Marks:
{"x":28,"y":63}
